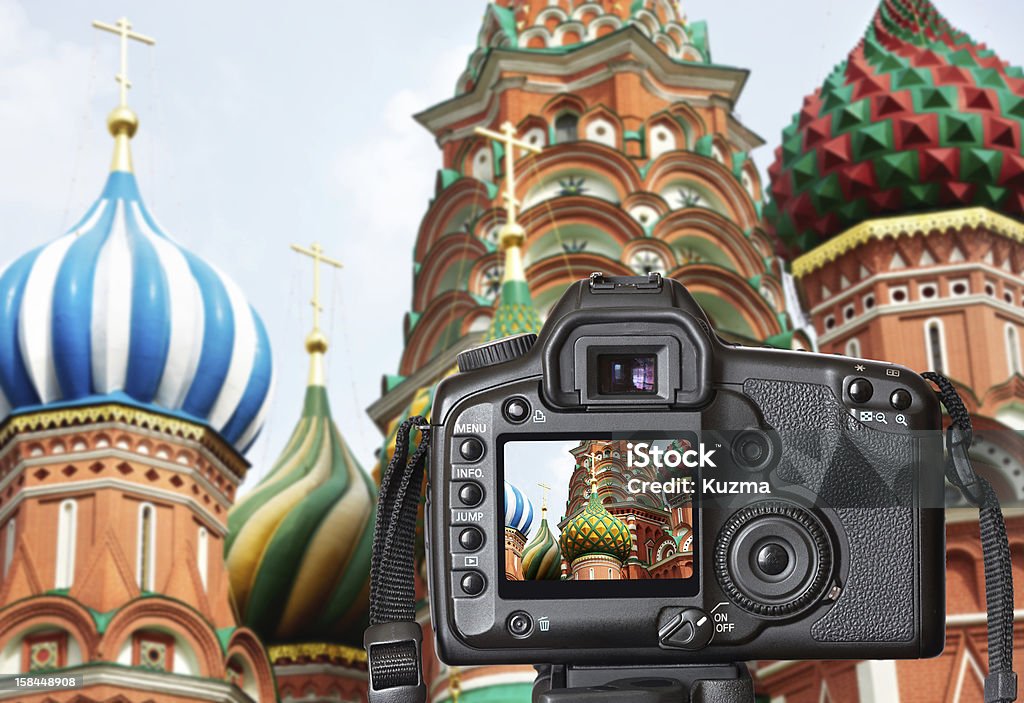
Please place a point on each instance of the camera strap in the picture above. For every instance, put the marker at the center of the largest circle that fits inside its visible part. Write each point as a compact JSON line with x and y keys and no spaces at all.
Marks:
{"x":394,"y":639}
{"x":1001,"y":681}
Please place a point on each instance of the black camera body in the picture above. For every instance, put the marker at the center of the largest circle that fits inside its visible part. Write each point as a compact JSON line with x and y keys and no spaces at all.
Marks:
{"x":721,"y":503}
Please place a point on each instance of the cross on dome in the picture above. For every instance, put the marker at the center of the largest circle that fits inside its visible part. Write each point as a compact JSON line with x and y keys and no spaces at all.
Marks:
{"x":511,"y":233}
{"x":122,"y":121}
{"x":594,"y":456}
{"x":316,"y":342}
{"x":544,"y":498}
{"x":123,"y":28}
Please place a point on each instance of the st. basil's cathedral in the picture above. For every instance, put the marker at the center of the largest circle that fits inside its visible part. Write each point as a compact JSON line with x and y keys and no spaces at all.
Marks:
{"x":134,"y":375}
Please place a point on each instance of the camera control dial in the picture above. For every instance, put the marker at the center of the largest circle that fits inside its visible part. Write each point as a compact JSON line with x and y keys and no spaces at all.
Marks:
{"x":496,"y":352}
{"x":773,"y":558}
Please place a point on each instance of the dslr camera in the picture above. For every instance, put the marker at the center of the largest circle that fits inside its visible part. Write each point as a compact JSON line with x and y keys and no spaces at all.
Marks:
{"x":629,"y":488}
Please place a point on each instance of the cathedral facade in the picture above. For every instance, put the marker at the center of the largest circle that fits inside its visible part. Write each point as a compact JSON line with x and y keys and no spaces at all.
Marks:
{"x":890,"y":229}
{"x":134,"y":375}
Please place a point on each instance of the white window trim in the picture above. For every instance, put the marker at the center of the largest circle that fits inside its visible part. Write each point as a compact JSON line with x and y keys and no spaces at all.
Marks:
{"x":942,"y":345}
{"x":67,"y":528}
{"x":9,"y":545}
{"x":853,"y":348}
{"x":203,"y":554}
{"x":1013,"y":357}
{"x":658,"y":147}
{"x":151,"y":575}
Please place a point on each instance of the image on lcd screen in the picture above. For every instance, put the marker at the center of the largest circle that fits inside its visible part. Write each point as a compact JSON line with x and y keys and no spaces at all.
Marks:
{"x":598,"y":510}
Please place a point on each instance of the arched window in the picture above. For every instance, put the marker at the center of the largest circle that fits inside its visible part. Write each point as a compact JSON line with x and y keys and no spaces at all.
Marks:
{"x":483,"y":164}
{"x":609,"y":574}
{"x":1013,"y":349}
{"x":601,"y":131}
{"x":566,"y":128}
{"x":67,"y":519}
{"x":661,"y":139}
{"x":145,"y":569}
{"x":203,"y":554}
{"x":591,"y":574}
{"x":9,"y":546}
{"x":935,"y":345}
{"x":853,"y":348}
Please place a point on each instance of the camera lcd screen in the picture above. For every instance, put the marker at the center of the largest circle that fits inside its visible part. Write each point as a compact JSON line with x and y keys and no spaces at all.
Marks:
{"x":626,"y":374}
{"x":593,"y":517}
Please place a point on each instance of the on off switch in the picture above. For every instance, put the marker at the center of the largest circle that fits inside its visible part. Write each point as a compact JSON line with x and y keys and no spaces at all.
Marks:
{"x":691,"y":629}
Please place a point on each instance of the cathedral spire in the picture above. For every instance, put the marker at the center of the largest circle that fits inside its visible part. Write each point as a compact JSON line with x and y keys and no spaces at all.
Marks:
{"x":122,"y":121}
{"x":515,"y":311}
{"x":316,"y":341}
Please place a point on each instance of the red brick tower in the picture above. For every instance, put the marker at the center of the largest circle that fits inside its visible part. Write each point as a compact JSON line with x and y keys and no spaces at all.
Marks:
{"x":133,"y":376}
{"x":898,"y":192}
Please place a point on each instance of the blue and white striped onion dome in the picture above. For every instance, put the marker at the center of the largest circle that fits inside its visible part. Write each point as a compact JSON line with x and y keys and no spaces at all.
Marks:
{"x":518,"y":509}
{"x":117,"y":311}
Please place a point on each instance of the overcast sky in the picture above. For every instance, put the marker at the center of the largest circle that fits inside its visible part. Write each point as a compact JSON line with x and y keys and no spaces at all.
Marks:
{"x":269,"y":123}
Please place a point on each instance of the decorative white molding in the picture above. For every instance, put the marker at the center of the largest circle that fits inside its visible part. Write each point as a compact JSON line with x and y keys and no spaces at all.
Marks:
{"x":126,"y":487}
{"x":148,"y":683}
{"x":877,"y":682}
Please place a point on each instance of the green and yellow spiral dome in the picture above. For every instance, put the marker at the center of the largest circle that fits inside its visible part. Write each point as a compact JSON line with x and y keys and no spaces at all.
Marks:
{"x":298,"y":549}
{"x":542,"y":559}
{"x":595,"y":531}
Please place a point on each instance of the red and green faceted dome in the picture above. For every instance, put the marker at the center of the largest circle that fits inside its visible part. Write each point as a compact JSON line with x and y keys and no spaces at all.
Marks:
{"x":919,"y":117}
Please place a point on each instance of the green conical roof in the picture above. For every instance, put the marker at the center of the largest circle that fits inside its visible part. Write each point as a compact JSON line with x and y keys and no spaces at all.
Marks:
{"x":298,"y":548}
{"x":542,"y":559}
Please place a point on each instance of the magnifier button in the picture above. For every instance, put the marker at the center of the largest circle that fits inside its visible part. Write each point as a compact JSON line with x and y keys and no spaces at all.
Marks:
{"x":900,"y":399}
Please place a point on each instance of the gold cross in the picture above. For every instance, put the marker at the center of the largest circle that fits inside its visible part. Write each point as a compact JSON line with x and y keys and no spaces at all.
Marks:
{"x":593,"y":471}
{"x":123,"y":28}
{"x":316,"y":252}
{"x":507,"y":137}
{"x":544,"y":496}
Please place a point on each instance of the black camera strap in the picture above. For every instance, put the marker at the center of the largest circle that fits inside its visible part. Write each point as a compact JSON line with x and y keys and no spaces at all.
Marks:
{"x":394,"y":639}
{"x":1001,"y":681}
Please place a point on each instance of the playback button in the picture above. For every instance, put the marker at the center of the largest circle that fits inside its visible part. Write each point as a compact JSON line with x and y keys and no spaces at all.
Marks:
{"x":472,"y":583}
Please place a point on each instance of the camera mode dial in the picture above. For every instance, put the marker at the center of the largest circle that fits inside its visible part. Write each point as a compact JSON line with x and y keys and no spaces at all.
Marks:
{"x":773,"y":559}
{"x":496,"y":352}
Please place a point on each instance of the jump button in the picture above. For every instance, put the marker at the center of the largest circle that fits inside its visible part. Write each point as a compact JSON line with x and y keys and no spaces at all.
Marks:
{"x":471,"y":539}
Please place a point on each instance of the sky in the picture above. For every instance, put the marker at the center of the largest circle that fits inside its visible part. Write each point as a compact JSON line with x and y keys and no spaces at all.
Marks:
{"x":264,"y":124}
